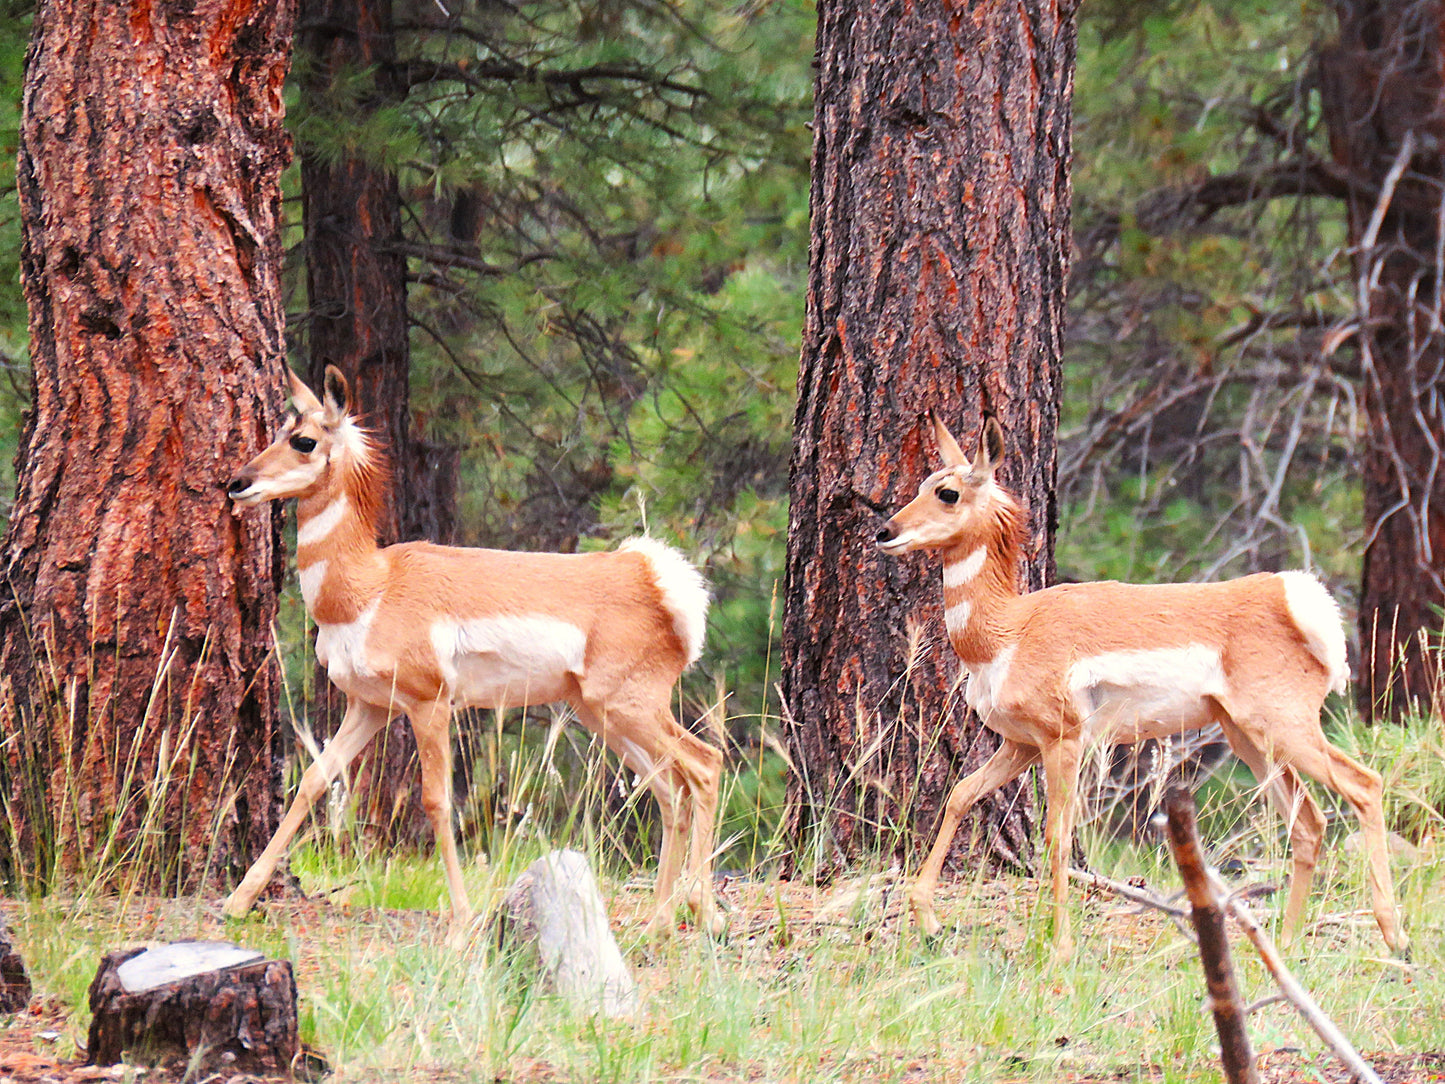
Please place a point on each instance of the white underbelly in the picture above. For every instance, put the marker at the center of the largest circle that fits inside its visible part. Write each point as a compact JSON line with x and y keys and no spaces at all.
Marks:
{"x":497,"y":662}
{"x":1127,"y":696}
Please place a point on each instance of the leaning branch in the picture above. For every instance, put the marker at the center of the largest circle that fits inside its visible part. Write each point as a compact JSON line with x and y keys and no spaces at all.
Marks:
{"x":1289,"y":987}
{"x":1235,"y":1050}
{"x":416,"y":73}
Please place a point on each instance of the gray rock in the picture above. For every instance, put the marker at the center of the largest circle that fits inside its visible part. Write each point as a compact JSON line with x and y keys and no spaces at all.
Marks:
{"x":555,"y":906}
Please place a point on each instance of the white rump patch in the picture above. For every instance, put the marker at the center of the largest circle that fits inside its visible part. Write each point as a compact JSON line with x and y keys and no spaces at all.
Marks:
{"x":1316,"y":614}
{"x":311,"y":577}
{"x":313,"y":530}
{"x":987,"y":681}
{"x":955,"y":618}
{"x":1126,"y":696}
{"x":958,"y":573}
{"x":508,"y":661}
{"x":684,"y":591}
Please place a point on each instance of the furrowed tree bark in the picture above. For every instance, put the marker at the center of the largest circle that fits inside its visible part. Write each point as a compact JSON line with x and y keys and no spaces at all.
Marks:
{"x":1383,"y":95}
{"x":940,"y":241}
{"x":357,"y":320}
{"x":140,"y":690}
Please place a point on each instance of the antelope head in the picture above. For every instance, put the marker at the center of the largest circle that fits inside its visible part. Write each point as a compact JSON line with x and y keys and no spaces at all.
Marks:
{"x":299,"y":461}
{"x":951,"y":501}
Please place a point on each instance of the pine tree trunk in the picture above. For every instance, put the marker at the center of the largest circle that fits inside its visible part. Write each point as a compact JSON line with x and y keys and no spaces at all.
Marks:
{"x":356,"y":285}
{"x":140,"y":689}
{"x":1383,"y":83}
{"x":940,"y":240}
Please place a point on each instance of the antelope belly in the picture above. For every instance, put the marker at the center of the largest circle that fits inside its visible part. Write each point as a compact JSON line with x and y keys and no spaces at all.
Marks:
{"x":492,"y":662}
{"x":1127,"y":696}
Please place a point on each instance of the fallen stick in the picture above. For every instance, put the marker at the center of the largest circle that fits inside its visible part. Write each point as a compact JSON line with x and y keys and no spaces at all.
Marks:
{"x":1293,"y":992}
{"x":1289,"y":986}
{"x":1235,"y":1050}
{"x":1177,"y":915}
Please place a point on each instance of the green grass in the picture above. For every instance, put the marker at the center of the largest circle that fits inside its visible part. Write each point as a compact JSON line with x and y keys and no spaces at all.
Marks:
{"x":813,"y":983}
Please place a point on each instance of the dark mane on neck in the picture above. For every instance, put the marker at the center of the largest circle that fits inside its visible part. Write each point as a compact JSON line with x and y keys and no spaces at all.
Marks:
{"x":366,"y":477}
{"x":1008,"y":529}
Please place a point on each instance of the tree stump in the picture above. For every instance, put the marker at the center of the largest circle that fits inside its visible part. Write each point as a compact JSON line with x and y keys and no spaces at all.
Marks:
{"x":207,"y":1000}
{"x":14,"y":979}
{"x":556,"y":908}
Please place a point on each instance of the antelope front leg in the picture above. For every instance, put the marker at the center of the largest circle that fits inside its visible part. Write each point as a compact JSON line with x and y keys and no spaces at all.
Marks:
{"x":358,"y":726}
{"x":1010,"y":761}
{"x":433,"y":743}
{"x":1061,"y":780}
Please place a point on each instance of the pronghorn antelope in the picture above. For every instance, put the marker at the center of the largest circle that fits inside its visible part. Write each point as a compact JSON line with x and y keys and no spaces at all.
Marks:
{"x":424,"y":630}
{"x":1058,"y":670}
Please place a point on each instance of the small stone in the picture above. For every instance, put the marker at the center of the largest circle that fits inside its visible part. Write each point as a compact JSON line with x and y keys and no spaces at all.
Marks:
{"x":555,"y":905}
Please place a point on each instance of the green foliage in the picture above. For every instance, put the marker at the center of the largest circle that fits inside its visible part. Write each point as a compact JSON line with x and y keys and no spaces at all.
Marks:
{"x":1206,"y":429}
{"x":1411,"y":756}
{"x":14,"y":330}
{"x":606,"y":225}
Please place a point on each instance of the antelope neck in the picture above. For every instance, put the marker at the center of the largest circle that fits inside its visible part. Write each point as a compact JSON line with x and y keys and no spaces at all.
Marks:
{"x":334,"y":545}
{"x":976,"y":585}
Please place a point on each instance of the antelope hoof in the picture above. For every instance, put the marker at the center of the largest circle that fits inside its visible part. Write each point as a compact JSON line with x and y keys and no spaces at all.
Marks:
{"x":1063,"y":949}
{"x":1399,"y":945}
{"x":459,"y":935}
{"x":660,"y":925}
{"x":927,"y":921}
{"x":235,"y":907}
{"x":712,"y":921}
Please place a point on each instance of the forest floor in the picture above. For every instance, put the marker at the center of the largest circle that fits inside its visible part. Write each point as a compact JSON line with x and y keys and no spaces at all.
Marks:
{"x":44,"y":1045}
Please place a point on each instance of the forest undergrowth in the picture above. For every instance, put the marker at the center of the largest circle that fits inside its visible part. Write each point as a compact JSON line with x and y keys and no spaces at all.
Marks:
{"x":817,"y":979}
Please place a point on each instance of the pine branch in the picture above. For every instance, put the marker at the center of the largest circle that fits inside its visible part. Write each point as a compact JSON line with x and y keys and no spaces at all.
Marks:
{"x":415,"y":73}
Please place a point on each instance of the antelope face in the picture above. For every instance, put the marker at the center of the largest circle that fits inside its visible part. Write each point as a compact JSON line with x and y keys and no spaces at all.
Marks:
{"x":298,"y":461}
{"x":951,"y":500}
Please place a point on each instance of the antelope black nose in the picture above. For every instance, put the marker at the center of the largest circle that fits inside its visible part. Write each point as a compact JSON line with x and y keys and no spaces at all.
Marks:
{"x":238,"y":484}
{"x":887,"y":534}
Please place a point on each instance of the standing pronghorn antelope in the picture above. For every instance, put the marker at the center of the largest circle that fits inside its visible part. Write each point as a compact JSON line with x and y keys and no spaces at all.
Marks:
{"x":1055,"y":671}
{"x":424,"y":630}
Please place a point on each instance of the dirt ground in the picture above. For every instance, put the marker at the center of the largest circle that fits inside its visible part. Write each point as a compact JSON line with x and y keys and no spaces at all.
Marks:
{"x":30,"y":1041}
{"x":25,"y":1059}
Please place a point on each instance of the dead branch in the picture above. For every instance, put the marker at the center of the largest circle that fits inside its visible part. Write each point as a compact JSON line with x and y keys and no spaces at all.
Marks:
{"x":1290,"y":987}
{"x":1227,"y":1006}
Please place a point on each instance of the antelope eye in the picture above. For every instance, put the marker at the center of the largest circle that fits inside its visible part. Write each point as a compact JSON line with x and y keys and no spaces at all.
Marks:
{"x":947,"y":496}
{"x":304,"y":445}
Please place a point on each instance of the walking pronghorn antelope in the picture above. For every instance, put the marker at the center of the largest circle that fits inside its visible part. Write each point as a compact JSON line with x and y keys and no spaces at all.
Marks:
{"x":1058,"y":670}
{"x":423,"y":630}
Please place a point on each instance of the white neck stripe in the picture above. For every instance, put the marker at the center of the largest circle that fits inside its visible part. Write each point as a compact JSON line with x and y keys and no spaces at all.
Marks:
{"x":323,"y":522}
{"x":955,"y":618}
{"x":958,"y":573}
{"x":311,"y":578}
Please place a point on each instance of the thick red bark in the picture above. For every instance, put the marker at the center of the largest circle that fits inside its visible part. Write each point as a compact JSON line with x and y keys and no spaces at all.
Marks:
{"x":140,"y":689}
{"x":1384,"y":101}
{"x":940,"y":240}
{"x":357,"y":320}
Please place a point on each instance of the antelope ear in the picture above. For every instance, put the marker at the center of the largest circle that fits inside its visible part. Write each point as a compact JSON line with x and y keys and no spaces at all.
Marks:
{"x":947,"y":447}
{"x":990,"y":449}
{"x":338,"y":396}
{"x":302,"y":397}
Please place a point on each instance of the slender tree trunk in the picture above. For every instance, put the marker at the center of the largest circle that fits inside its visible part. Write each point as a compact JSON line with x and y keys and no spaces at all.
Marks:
{"x":357,"y":320}
{"x":138,"y":702}
{"x":940,"y":240}
{"x":1384,"y":102}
